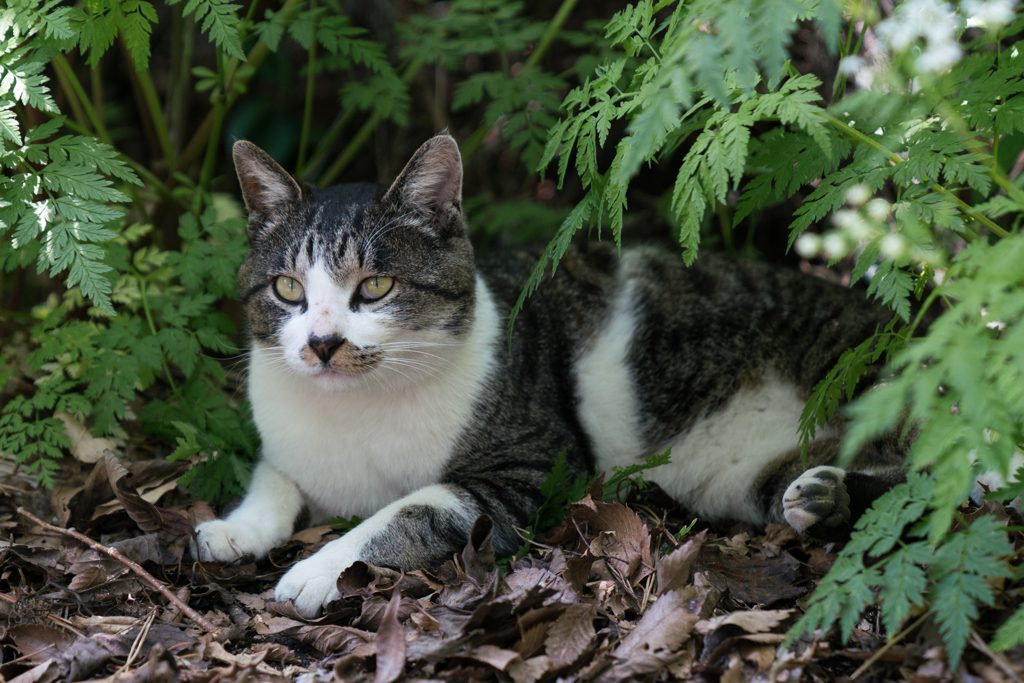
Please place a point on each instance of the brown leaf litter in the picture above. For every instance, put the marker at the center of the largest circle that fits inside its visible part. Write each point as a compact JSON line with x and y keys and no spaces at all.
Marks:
{"x":611,"y":595}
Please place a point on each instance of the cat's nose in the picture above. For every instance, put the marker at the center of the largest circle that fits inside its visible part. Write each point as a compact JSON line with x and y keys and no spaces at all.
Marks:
{"x":324,"y":347}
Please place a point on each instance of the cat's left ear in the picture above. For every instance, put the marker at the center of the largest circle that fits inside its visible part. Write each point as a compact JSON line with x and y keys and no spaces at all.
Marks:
{"x":431,"y":184}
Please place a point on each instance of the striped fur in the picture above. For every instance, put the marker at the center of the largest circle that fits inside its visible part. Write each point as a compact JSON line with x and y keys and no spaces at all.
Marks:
{"x":426,"y":416}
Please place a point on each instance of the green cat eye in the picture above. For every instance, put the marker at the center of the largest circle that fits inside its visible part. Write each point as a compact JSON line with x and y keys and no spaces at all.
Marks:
{"x":375,"y":287}
{"x":288,"y":288}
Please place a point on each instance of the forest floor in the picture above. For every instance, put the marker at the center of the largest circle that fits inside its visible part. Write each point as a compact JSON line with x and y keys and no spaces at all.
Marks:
{"x":612,"y":595}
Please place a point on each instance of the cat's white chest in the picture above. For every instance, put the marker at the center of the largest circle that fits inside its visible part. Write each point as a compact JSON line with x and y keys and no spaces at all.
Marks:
{"x":353,"y":452}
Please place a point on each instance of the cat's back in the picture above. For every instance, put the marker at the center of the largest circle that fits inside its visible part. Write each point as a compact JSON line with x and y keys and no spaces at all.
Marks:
{"x":714,"y":360}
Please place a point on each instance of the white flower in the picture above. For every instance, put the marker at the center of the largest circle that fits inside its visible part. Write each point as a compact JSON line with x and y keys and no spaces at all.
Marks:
{"x":933,"y":20}
{"x":858,"y":194}
{"x":892,"y":246}
{"x":878,"y":209}
{"x":835,"y":245}
{"x":844,"y":218}
{"x":938,"y":57}
{"x":991,"y":14}
{"x":808,"y":245}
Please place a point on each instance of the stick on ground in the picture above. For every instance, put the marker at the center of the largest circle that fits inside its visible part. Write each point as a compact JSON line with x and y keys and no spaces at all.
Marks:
{"x":142,"y":573}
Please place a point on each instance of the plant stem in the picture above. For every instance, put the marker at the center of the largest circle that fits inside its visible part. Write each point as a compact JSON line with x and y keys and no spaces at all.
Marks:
{"x":363,"y":135}
{"x":259,"y":52}
{"x":924,"y":309}
{"x":182,"y":44}
{"x":885,"y":648}
{"x":472,"y":143}
{"x":96,"y":84}
{"x":213,"y":142}
{"x":307,"y":114}
{"x":152,"y":108}
{"x":725,"y":222}
{"x":852,"y":132}
{"x":61,"y":65}
{"x":324,"y":146}
{"x":76,"y":107}
{"x":152,"y":328}
{"x":549,"y":34}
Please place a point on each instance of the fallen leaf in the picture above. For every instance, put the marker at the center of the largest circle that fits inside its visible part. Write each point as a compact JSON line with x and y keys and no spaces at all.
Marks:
{"x":652,"y":643}
{"x":39,"y":643}
{"x":144,"y":513}
{"x":494,"y":656}
{"x":571,"y":634}
{"x":390,"y":641}
{"x":751,"y":621}
{"x":674,"y":569}
{"x":84,"y":446}
{"x":753,"y":580}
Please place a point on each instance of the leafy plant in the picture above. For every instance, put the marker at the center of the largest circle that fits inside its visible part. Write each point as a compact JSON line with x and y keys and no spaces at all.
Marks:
{"x":560,"y":490}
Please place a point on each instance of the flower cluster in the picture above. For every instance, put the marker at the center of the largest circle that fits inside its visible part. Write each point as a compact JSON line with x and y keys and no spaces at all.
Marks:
{"x":932,"y":20}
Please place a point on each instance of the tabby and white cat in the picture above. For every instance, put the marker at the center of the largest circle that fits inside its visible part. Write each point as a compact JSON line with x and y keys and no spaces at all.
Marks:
{"x":383,"y":384}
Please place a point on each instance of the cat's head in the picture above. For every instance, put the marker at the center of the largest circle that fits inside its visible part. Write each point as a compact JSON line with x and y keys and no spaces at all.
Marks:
{"x":357,"y":285}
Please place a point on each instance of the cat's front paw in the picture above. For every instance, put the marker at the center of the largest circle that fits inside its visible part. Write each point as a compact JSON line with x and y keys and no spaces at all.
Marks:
{"x":224,"y":541}
{"x":817,"y":497}
{"x":310,"y":585}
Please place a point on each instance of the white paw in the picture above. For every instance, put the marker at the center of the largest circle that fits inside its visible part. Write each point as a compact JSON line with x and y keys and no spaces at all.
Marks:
{"x":818,"y":496}
{"x":223,"y":541}
{"x":310,"y":585}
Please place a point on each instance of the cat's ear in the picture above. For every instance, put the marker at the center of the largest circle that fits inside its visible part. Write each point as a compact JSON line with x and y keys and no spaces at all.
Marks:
{"x":266,"y":187}
{"x":431,"y":183}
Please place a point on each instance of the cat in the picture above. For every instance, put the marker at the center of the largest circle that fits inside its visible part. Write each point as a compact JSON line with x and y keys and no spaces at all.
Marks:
{"x":383,"y":384}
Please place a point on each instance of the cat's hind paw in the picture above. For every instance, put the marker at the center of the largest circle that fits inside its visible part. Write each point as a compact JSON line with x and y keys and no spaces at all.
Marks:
{"x":224,"y":541}
{"x":310,"y":585}
{"x":817,"y":498}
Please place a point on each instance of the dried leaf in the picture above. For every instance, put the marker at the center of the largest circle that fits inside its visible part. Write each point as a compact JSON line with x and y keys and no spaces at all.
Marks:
{"x":571,"y":634}
{"x":531,"y":670}
{"x":144,"y":513}
{"x":674,"y":568}
{"x":88,"y":578}
{"x":653,"y":642}
{"x":44,"y":673}
{"x":494,"y":656}
{"x":39,"y":643}
{"x":753,"y":580}
{"x":751,"y":621}
{"x":390,"y":641}
{"x":625,"y":540}
{"x":140,"y":549}
{"x":84,"y":446}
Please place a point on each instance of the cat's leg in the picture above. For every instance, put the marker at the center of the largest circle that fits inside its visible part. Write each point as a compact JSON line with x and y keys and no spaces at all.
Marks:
{"x":264,"y":519}
{"x":821,"y":500}
{"x":423,"y":529}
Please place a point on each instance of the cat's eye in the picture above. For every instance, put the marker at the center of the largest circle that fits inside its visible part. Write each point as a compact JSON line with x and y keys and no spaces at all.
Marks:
{"x":288,"y":289}
{"x":375,"y":287}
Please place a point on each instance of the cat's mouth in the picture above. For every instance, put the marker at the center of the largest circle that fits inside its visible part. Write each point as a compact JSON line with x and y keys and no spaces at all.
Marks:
{"x":346,"y":361}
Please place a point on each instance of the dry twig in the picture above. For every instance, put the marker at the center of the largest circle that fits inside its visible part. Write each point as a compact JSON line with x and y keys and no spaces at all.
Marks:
{"x":142,"y":573}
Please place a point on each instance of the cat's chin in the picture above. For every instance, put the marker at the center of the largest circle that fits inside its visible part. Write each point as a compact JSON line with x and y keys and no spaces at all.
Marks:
{"x":333,"y":380}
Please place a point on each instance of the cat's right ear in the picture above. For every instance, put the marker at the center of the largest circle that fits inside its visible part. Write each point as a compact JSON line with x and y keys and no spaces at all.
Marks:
{"x":266,"y":187}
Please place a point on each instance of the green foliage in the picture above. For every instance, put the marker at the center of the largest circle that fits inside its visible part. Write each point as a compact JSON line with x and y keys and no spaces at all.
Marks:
{"x":345,"y":524}
{"x":890,"y":563}
{"x":839,"y":385}
{"x":560,"y":490}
